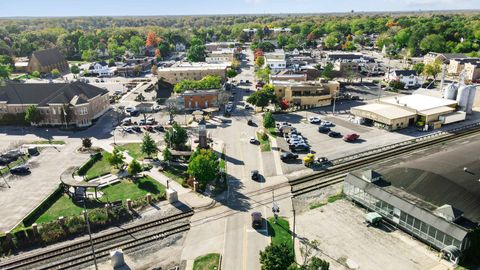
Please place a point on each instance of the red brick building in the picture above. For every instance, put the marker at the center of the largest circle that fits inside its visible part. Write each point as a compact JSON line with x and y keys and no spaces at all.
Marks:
{"x":200,"y":99}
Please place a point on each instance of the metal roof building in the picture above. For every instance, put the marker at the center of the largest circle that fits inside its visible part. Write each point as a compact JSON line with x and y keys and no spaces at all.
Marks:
{"x":433,"y":198}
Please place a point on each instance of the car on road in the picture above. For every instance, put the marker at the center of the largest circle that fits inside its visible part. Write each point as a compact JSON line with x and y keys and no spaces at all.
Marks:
{"x":253,"y":140}
{"x":323,"y":129}
{"x":326,"y":124}
{"x":300,"y":147}
{"x":288,"y":156}
{"x":257,"y":220}
{"x":351,"y":137}
{"x":247,"y":82}
{"x":255,"y":175}
{"x":21,"y":169}
{"x":250,"y":122}
{"x":157,"y":108}
{"x":159,"y":128}
{"x":4,"y":161}
{"x":334,"y":134}
{"x":314,"y":120}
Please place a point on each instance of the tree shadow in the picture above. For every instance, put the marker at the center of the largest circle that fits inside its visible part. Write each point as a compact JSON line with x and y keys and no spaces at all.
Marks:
{"x":147,"y":186}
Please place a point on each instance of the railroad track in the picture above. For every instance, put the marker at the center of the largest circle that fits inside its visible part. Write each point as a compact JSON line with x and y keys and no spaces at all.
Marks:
{"x":318,"y":180}
{"x":79,"y":252}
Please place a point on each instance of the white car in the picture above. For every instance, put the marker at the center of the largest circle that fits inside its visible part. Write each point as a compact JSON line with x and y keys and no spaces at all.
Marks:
{"x":253,"y":140}
{"x":326,"y":124}
{"x":150,"y":121}
{"x":314,"y":120}
{"x":156,"y":108}
{"x":130,"y":109}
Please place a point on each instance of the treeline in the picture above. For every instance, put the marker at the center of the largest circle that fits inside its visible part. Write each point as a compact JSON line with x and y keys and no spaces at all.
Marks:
{"x":86,"y":38}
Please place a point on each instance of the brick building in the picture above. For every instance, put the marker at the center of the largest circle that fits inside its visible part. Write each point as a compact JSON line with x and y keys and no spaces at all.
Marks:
{"x":174,"y":75}
{"x":200,"y":99}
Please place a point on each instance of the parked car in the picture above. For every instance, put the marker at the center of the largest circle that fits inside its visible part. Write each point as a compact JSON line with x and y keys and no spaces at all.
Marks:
{"x":129,"y":130}
{"x":159,"y":128}
{"x":300,"y":148}
{"x":22,"y":169}
{"x":137,"y":129}
{"x":248,"y":107}
{"x":255,"y":175}
{"x":288,"y":156}
{"x":351,"y":137}
{"x":334,"y":134}
{"x":135,"y":113}
{"x":257,"y":219}
{"x":250,"y":122}
{"x":4,"y":161}
{"x":148,"y":128}
{"x":127,"y":121}
{"x":314,"y":120}
{"x":150,"y":121}
{"x":253,"y":140}
{"x":326,"y":124}
{"x":130,"y":109}
{"x":157,"y":108}
{"x":142,"y":122}
{"x":323,"y":129}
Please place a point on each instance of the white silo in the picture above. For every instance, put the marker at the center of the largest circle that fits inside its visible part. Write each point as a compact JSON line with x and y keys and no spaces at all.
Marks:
{"x":462,"y":97}
{"x":450,"y":91}
{"x":471,"y":98}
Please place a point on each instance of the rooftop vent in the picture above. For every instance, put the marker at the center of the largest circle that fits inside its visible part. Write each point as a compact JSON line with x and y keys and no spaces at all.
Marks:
{"x":371,"y":176}
{"x":448,"y":212}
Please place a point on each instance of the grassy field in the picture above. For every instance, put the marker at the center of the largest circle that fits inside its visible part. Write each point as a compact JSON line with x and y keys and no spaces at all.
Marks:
{"x":264,"y":144}
{"x":280,"y":231}
{"x":133,"y":149}
{"x":100,"y":167}
{"x":176,"y":173}
{"x":49,"y":142}
{"x":127,"y":189}
{"x":207,"y":262}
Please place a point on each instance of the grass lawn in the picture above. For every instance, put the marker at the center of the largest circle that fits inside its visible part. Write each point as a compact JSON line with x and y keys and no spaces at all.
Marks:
{"x":100,"y":167}
{"x":264,"y":144}
{"x":134,"y":150}
{"x":48,"y":142}
{"x":273,"y":132}
{"x":207,"y":262}
{"x":12,"y":164}
{"x":176,"y":173}
{"x":64,"y":206}
{"x":280,"y":231}
{"x":127,"y":189}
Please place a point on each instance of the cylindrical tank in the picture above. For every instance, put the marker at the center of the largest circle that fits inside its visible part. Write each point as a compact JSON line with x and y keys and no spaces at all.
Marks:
{"x":462,"y":97}
{"x":450,"y":91}
{"x":471,"y":98}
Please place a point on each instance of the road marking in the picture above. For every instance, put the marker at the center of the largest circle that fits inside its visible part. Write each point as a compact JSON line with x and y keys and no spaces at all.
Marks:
{"x":245,"y":244}
{"x":224,"y":241}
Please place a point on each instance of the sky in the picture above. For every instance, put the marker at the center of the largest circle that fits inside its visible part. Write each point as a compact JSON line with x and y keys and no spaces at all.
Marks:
{"x":42,"y":8}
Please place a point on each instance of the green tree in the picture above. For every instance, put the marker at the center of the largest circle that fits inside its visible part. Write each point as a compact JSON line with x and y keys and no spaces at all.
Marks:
{"x":167,"y":155}
{"x":89,"y":55}
{"x":432,"y":43}
{"x":331,"y":40}
{"x":116,"y":159}
{"x":328,"y":72}
{"x":204,"y":166}
{"x":86,"y":142}
{"x":176,"y":136}
{"x":432,"y":69}
{"x":5,"y":71}
{"x":134,"y":168}
{"x":268,"y":120}
{"x":276,"y":257}
{"x":260,"y":61}
{"x":418,"y":68}
{"x":75,"y":69}
{"x":136,"y":45}
{"x":32,"y":115}
{"x":55,"y":73}
{"x":262,"y":97}
{"x":196,"y":53}
{"x":263,"y":74}
{"x":231,"y":73}
{"x":148,"y":145}
{"x":36,"y":74}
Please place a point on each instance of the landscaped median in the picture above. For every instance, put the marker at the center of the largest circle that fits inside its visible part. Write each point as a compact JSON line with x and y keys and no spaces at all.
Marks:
{"x":207,"y":262}
{"x":264,"y":141}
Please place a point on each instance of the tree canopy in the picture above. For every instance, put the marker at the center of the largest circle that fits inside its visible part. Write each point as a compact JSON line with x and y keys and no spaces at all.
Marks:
{"x":148,"y":145}
{"x":204,"y":166}
{"x":262,"y":97}
{"x":276,"y":257}
{"x":176,"y":136}
{"x":32,"y":115}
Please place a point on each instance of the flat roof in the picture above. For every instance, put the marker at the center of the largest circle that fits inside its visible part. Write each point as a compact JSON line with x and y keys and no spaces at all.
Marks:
{"x":385,"y":110}
{"x":180,"y":68}
{"x":419,"y":102}
{"x":438,"y":110}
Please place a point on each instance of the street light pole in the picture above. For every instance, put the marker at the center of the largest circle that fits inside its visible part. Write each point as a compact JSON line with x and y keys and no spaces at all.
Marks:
{"x":89,"y":234}
{"x":334,"y":101}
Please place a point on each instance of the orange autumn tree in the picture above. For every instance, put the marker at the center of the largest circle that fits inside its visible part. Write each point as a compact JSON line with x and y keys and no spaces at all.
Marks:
{"x":152,"y":40}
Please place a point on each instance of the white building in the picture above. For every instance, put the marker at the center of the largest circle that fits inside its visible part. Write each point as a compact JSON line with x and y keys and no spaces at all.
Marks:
{"x":225,"y":55}
{"x":276,"y":60}
{"x":408,"y":77}
{"x":101,"y":69}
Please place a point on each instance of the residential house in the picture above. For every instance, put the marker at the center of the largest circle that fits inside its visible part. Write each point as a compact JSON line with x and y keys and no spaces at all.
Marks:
{"x":75,"y":103}
{"x":345,"y":62}
{"x":101,"y":69}
{"x":276,"y":60}
{"x":408,"y":77}
{"x":45,"y":61}
{"x":444,"y":58}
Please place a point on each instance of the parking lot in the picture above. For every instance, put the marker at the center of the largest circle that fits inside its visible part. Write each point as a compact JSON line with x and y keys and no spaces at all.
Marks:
{"x":347,"y":243}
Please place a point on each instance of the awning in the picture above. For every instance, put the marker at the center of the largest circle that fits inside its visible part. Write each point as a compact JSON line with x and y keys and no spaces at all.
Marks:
{"x":373,"y":217}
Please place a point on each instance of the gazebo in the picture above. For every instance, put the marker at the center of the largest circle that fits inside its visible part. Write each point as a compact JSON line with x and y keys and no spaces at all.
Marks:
{"x":79,"y":187}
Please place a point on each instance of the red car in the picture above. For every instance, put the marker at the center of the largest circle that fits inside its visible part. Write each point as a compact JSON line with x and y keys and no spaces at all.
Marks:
{"x":351,"y":137}
{"x":148,"y":128}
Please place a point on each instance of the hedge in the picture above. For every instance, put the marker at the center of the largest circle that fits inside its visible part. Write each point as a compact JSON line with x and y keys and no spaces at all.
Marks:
{"x":44,"y":206}
{"x":85,"y":167}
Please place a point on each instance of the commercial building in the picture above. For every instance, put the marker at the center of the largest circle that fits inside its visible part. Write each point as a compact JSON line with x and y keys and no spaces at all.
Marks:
{"x":472,"y":72}
{"x":73,"y":103}
{"x":432,"y":198}
{"x":392,"y":113}
{"x":45,"y":61}
{"x":216,"y":46}
{"x":276,"y":60}
{"x":347,"y":62}
{"x":444,"y":58}
{"x":221,"y":56}
{"x":175,"y":74}
{"x":306,"y":94}
{"x":456,"y":65}
{"x":200,"y":99}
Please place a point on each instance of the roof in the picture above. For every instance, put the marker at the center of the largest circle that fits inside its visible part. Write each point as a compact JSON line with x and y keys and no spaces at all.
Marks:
{"x":74,"y":93}
{"x":385,"y":110}
{"x":418,"y":102}
{"x":348,"y":56}
{"x":405,"y":72}
{"x":438,"y":110}
{"x":49,"y":56}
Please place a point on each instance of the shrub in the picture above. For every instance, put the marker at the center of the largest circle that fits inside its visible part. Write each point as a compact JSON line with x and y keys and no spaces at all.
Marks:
{"x":93,"y":158}
{"x":396,"y":84}
{"x":52,"y":232}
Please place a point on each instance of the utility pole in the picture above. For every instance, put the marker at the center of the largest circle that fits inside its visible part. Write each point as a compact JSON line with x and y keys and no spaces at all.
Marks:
{"x":89,"y":234}
{"x":334,"y":101}
{"x":293,"y":235}
{"x":275,"y":208}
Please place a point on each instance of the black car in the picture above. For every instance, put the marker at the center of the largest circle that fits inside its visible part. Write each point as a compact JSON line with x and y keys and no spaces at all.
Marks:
{"x":334,"y":134}
{"x":300,"y":148}
{"x":22,"y":169}
{"x":324,"y":130}
{"x":135,"y":113}
{"x":255,"y":175}
{"x":250,"y":122}
{"x":136,"y":129}
{"x":288,"y":156}
{"x":4,"y":161}
{"x":159,"y":128}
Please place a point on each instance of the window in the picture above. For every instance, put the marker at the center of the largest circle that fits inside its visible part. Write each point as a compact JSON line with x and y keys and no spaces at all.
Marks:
{"x":83,"y":111}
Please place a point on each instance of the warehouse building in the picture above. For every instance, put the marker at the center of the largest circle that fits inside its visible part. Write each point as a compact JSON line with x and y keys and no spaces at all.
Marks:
{"x":432,"y":198}
{"x":392,"y":113}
